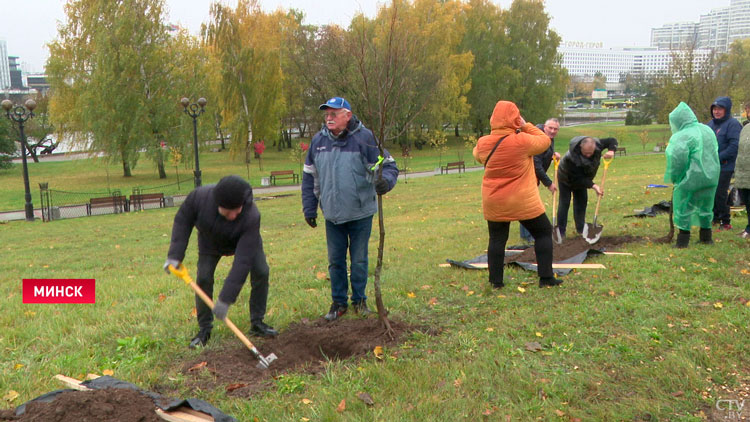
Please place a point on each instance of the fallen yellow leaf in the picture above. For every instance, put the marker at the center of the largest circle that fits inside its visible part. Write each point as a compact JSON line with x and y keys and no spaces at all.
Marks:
{"x":108,"y":372}
{"x":11,"y":395}
{"x":559,"y":413}
{"x":304,"y":419}
{"x":521,"y":289}
{"x":470,"y":292}
{"x":712,"y":260}
{"x":342,"y":406}
{"x":378,"y":351}
{"x":538,"y":334}
{"x":432,"y":302}
{"x":745,"y":271}
{"x":500,"y":296}
{"x":718,"y":305}
{"x":320,"y":275}
{"x":306,"y":401}
{"x":489,"y":329}
{"x":18,"y":366}
{"x":411,"y":295}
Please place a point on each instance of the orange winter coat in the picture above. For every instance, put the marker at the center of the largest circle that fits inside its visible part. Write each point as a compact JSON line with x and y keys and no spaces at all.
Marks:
{"x":509,"y":188}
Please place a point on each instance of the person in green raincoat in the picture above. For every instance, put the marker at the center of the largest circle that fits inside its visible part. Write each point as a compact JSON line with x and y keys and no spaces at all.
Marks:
{"x":693,"y":168}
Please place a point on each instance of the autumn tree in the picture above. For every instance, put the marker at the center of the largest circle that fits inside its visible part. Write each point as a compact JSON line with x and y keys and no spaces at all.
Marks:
{"x":7,"y":143}
{"x":107,"y":73}
{"x":39,"y":130}
{"x":246,"y":46}
{"x":403,"y":66}
{"x":689,"y":79}
{"x":516,"y":59}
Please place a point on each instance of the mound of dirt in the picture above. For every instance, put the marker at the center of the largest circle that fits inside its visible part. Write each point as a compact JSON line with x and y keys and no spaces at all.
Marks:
{"x":303,"y":347}
{"x":110,"y":404}
{"x":574,"y":246}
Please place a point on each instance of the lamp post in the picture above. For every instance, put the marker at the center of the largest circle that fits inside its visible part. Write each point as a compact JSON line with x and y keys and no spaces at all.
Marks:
{"x":194,"y":110}
{"x":20,"y":115}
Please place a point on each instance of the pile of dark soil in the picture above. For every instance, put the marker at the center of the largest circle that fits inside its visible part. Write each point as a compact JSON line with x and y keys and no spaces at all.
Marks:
{"x":110,"y":404}
{"x":303,"y":347}
{"x":574,"y":246}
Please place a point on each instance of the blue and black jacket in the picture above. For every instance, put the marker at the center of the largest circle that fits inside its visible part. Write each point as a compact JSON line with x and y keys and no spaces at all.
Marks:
{"x":338,"y":174}
{"x":727,"y":130}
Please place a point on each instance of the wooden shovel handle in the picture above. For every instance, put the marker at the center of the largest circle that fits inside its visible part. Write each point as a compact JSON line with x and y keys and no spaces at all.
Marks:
{"x":183,"y":274}
{"x":604,"y":177}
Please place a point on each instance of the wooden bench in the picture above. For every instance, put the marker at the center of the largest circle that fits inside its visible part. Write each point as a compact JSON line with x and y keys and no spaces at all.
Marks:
{"x":284,"y":174}
{"x":138,"y":201}
{"x":118,"y":204}
{"x":661,"y":146}
{"x":621,"y":151}
{"x":456,"y":165}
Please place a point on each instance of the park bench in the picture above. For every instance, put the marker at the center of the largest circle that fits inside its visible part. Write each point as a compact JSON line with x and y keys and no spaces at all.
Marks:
{"x":118,"y":204}
{"x":139,"y":201}
{"x":621,"y":151}
{"x":284,"y":174}
{"x":456,"y":165}
{"x":661,"y":146}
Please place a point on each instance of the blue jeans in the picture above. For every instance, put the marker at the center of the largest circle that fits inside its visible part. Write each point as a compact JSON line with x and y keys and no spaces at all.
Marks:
{"x":354,"y":237}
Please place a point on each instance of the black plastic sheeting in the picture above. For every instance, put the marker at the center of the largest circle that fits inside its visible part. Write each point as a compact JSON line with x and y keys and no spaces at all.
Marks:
{"x":658,"y":208}
{"x":482,"y":259}
{"x":163,"y":403}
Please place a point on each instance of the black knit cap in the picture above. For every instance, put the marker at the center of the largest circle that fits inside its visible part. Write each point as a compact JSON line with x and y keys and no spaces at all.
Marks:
{"x":231,"y":192}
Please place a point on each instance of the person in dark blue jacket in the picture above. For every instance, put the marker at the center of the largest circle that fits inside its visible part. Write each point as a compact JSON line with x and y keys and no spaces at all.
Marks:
{"x":541,"y":164}
{"x":340,"y":176}
{"x":727,"y":130}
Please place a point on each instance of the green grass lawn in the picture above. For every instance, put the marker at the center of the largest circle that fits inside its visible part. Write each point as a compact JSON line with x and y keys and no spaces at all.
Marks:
{"x":659,"y":335}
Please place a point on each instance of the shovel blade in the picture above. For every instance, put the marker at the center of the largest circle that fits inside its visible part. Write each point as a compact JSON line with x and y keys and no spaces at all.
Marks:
{"x":592,"y":233}
{"x":264,"y":362}
{"x":556,"y":235}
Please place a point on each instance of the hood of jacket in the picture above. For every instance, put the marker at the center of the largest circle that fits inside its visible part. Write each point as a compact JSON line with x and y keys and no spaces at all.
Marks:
{"x":682,"y":116}
{"x":578,"y":158}
{"x":725,"y":102}
{"x":505,"y":119}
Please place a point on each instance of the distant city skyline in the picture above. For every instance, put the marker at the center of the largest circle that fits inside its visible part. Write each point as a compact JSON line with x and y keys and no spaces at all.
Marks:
{"x":28,"y":26}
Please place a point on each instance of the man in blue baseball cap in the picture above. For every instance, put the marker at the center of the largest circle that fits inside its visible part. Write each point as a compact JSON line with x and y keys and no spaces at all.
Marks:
{"x":340,"y":176}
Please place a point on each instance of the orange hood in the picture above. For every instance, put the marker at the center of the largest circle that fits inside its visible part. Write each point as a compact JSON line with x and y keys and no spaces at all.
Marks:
{"x":505,"y":118}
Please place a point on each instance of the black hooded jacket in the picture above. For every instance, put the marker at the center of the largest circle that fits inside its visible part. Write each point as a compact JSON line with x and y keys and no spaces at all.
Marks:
{"x":577,"y":171}
{"x":727,"y":130}
{"x":218,"y":236}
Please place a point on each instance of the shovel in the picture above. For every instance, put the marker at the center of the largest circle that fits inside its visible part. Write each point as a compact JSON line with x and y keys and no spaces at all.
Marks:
{"x":182,"y":273}
{"x":591,"y":231}
{"x":556,"y":235}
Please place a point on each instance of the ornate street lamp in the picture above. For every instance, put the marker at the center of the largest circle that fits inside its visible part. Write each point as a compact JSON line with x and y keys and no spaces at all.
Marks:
{"x":194,"y":110}
{"x":20,"y":115}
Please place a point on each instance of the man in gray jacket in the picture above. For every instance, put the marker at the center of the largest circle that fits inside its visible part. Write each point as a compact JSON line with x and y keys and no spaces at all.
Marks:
{"x":340,"y":176}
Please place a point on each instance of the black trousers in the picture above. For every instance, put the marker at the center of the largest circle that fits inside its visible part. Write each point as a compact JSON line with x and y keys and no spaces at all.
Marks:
{"x":539,"y":227}
{"x":721,"y":204}
{"x":258,"y":282}
{"x":580,"y":201}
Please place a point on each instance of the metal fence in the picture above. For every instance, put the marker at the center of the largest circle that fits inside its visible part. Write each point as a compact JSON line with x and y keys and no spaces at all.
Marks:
{"x":59,"y":204}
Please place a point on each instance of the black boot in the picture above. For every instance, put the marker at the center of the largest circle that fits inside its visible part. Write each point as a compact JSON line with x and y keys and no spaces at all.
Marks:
{"x":549,"y":281}
{"x":705,"y":236}
{"x":683,"y":238}
{"x":201,"y":338}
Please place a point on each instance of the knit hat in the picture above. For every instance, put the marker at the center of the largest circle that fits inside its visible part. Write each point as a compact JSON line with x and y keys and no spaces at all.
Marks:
{"x":231,"y":192}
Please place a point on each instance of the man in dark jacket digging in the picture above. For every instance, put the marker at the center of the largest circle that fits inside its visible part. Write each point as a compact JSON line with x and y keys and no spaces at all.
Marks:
{"x":228,"y":223}
{"x":575,"y":176}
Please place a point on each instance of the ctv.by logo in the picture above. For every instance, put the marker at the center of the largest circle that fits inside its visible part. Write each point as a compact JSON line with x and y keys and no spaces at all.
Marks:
{"x":732,"y":408}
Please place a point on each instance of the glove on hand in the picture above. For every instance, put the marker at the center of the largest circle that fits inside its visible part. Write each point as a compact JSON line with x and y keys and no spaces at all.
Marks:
{"x":173,"y":262}
{"x":311,"y":222}
{"x":221,"y":309}
{"x":381,"y":187}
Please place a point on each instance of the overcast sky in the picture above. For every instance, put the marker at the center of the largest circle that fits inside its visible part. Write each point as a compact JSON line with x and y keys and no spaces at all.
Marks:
{"x":27,"y":25}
